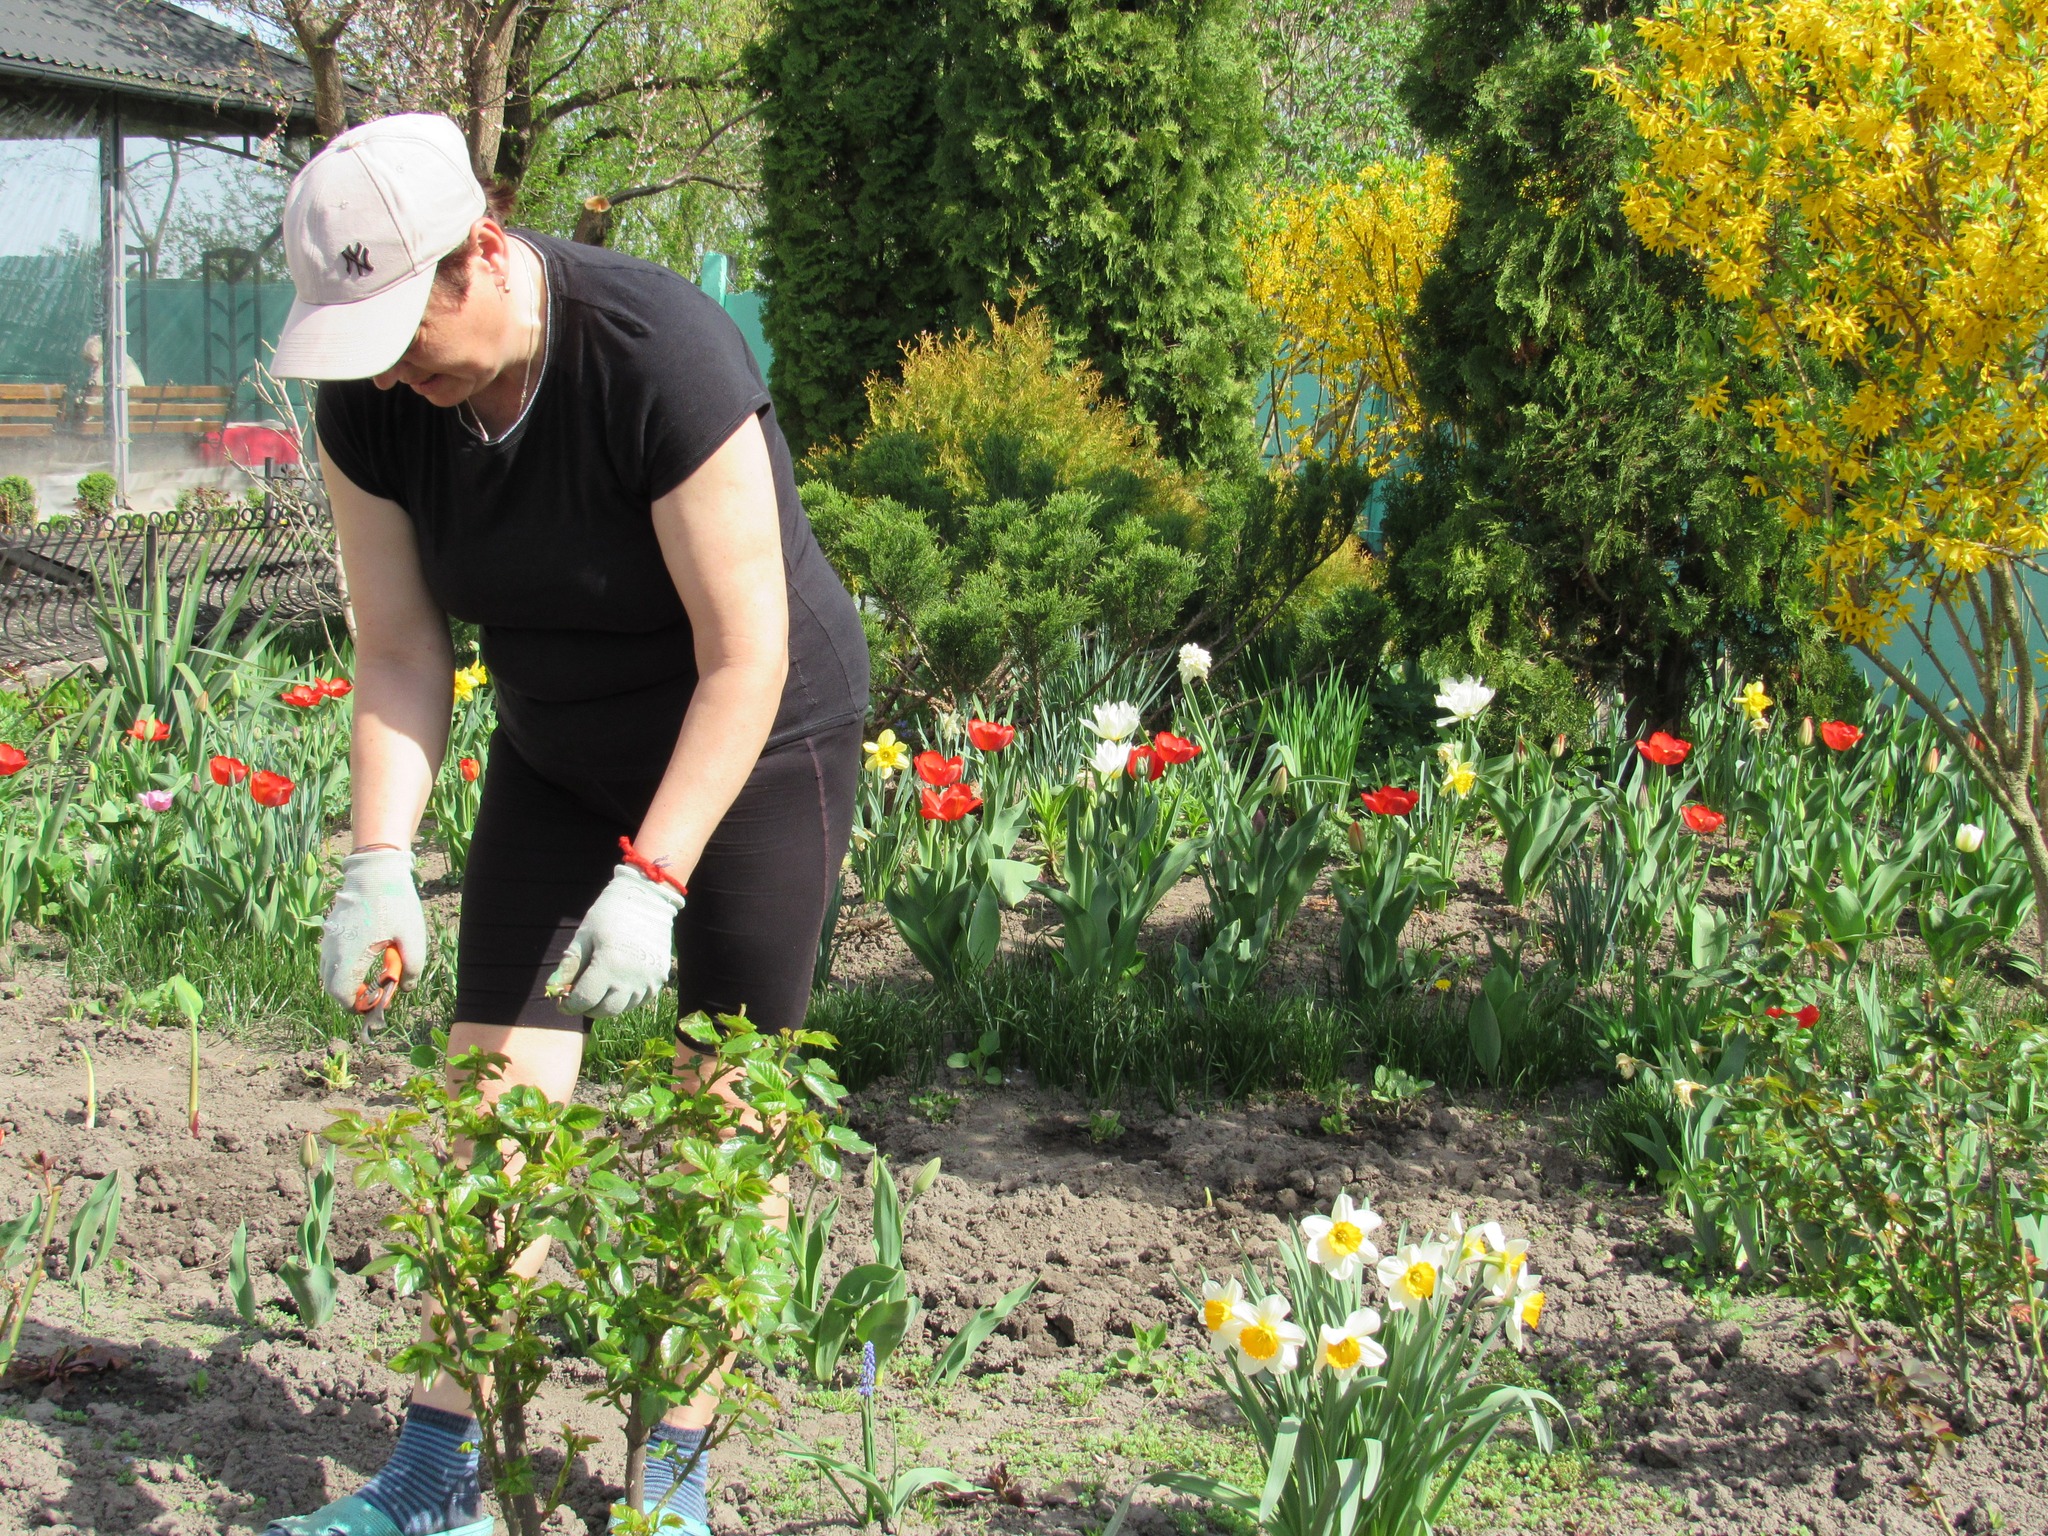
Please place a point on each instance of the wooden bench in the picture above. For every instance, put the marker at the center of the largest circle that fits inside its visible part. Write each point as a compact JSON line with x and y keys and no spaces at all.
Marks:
{"x":167,"y":410}
{"x":30,"y":410}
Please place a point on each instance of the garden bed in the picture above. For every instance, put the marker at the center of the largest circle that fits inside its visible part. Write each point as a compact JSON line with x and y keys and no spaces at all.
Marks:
{"x":1689,"y":1411}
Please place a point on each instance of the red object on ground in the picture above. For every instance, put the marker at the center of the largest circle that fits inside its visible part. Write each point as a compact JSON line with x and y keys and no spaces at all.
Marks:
{"x":249,"y":444}
{"x":1664,"y":748}
{"x":270,"y":789}
{"x":989,"y":736}
{"x":1388,"y":800}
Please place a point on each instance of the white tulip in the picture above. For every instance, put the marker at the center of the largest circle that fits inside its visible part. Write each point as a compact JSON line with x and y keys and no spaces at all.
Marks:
{"x":1115,"y":722}
{"x":1194,"y":664}
{"x":1351,"y":1344}
{"x":1338,"y":1242}
{"x":1110,"y":759}
{"x":1969,"y":837}
{"x":1266,"y":1341}
{"x":1462,"y":698}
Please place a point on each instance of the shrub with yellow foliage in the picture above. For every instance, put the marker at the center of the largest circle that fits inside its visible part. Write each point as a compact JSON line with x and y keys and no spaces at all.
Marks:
{"x":1338,"y":269}
{"x":1866,"y":183}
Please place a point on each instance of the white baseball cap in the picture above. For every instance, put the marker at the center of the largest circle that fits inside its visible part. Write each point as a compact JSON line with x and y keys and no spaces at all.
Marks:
{"x":365,"y":223}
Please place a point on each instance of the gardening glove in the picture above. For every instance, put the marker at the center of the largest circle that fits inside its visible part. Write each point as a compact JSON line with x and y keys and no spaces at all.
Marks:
{"x":376,"y":905}
{"x":622,"y":952}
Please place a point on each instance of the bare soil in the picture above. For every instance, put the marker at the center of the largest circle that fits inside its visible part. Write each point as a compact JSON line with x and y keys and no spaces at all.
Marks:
{"x":1685,"y":1415}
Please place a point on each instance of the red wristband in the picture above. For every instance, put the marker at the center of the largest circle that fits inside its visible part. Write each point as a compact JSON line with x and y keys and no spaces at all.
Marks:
{"x":653,"y":871}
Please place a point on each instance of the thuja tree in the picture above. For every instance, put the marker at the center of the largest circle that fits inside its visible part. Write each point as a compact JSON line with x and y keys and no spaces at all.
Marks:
{"x":1868,"y":180}
{"x":850,"y":128}
{"x":1099,"y":155}
{"x":1572,"y":520}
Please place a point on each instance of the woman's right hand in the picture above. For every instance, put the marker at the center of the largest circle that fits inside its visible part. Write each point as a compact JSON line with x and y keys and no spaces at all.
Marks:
{"x":378,"y":904}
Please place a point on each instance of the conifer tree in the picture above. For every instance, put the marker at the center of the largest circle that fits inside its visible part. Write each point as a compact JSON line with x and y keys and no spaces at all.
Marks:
{"x":851,"y":130}
{"x":1099,"y":155}
{"x":1574,"y":519}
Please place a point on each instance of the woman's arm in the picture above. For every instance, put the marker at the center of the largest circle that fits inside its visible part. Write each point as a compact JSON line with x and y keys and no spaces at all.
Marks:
{"x":721,"y":536}
{"x":405,"y":666}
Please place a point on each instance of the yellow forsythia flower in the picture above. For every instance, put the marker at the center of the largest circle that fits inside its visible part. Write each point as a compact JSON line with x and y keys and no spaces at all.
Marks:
{"x":1710,"y":402}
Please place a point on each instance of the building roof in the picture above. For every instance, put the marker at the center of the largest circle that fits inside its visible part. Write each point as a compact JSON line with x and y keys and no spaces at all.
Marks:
{"x":154,"y":49}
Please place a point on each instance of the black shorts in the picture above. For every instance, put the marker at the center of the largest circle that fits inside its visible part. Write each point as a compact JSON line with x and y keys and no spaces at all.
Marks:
{"x":746,"y":938}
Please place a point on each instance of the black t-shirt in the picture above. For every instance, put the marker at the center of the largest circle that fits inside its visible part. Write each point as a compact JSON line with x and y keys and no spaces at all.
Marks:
{"x":546,"y":540}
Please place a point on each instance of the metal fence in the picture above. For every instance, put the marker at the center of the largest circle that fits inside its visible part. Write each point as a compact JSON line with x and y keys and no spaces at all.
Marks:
{"x":51,"y":576}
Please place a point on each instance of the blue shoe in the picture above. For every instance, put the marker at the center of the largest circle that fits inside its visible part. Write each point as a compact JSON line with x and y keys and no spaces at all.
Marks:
{"x":359,"y":1517}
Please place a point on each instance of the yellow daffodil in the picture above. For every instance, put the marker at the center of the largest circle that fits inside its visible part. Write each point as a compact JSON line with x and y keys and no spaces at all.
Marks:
{"x":886,"y":755}
{"x":1754,"y":703}
{"x":1337,"y":1242}
{"x":1460,"y":777}
{"x":1349,"y":1345}
{"x":1505,"y":1267}
{"x":1412,"y":1275}
{"x":468,"y":679}
{"x":1265,"y":1340}
{"x":1476,"y":1243}
{"x":1223,"y":1311}
{"x":1524,"y":1308}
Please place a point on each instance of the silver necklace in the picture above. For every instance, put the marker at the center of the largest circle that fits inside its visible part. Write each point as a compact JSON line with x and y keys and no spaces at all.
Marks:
{"x":476,"y":423}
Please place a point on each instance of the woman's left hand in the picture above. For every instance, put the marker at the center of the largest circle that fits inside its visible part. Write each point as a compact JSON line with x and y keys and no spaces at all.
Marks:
{"x":623,"y":949}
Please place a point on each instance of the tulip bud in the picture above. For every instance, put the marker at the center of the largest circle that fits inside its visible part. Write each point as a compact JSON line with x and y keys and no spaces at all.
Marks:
{"x":1806,"y":732}
{"x":309,"y":1154}
{"x":1280,"y":780}
{"x":1969,"y":837}
{"x":925,"y":1178}
{"x":1521,"y":749}
{"x":1356,"y":833}
{"x":1559,"y":746}
{"x":1931,"y":763}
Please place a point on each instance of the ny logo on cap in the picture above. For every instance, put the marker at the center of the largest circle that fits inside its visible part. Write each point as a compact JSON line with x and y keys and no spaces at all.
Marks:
{"x":356,"y":258}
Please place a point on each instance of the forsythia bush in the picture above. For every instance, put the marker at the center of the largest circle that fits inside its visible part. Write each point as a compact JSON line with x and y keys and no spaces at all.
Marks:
{"x":1866,"y":183}
{"x":1338,"y":270}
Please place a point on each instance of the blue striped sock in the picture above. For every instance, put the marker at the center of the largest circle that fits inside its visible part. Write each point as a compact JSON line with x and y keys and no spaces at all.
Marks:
{"x":668,"y":1451}
{"x":430,"y":1483}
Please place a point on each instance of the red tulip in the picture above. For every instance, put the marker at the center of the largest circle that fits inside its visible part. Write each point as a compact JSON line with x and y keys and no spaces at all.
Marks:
{"x":948,"y":804}
{"x":469,"y":768}
{"x":12,"y":760}
{"x":1703,"y":819}
{"x":146,"y":729}
{"x":1175,"y":749}
{"x":1389,"y":801}
{"x":1146,"y":763}
{"x":988,"y":736}
{"x":1840,"y":734}
{"x":1774,"y":1012}
{"x":228,"y":770}
{"x":937,"y":771}
{"x":1808,"y":1016}
{"x":302,"y":695}
{"x":270,"y":789}
{"x":1663,"y":748}
{"x":334,"y":687}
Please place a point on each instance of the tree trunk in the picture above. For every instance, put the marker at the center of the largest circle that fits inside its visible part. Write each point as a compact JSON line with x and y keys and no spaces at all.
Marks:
{"x":594,"y":223}
{"x":330,"y":86}
{"x":516,"y":140}
{"x":484,"y":75}
{"x":637,"y":1432}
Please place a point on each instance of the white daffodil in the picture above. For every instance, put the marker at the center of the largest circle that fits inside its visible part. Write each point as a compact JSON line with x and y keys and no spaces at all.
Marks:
{"x":1969,"y":837}
{"x":1223,"y":1311}
{"x":1338,"y":1241}
{"x":1627,"y":1066}
{"x":1412,"y":1275}
{"x":1506,"y":1266}
{"x":1110,"y":758}
{"x":1685,"y":1088}
{"x":1117,"y":721}
{"x":1194,"y":664}
{"x":1475,"y":1244}
{"x":1351,"y":1344}
{"x":1462,"y":698}
{"x":1525,"y":1308}
{"x":1265,"y":1340}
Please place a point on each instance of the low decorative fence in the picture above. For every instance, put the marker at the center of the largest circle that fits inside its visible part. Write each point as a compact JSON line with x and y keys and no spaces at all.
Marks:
{"x":50,"y":576}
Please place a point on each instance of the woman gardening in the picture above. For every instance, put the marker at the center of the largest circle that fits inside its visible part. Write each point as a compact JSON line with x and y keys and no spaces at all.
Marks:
{"x":573,"y":450}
